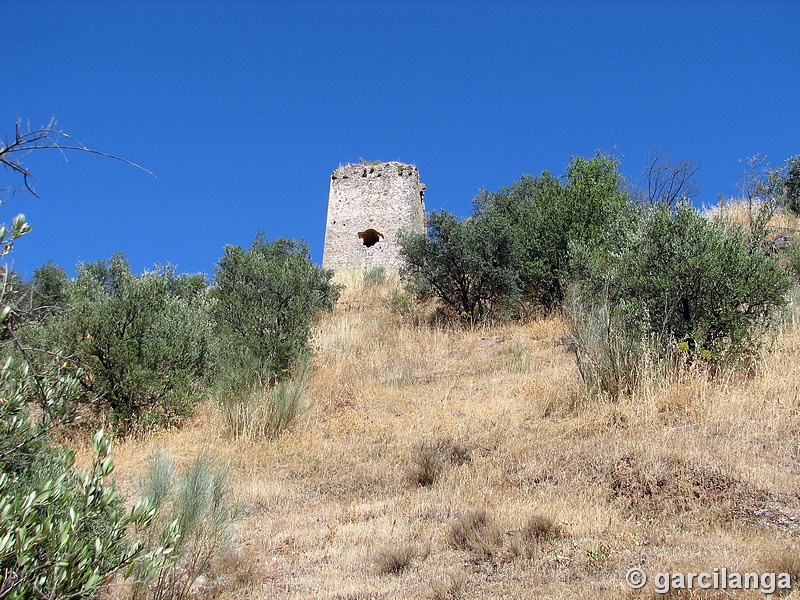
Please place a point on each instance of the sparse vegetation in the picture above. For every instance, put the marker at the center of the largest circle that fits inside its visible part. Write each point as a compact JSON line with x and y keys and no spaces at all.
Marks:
{"x":199,"y":505}
{"x":475,"y":530}
{"x":395,"y":558}
{"x":261,"y":410}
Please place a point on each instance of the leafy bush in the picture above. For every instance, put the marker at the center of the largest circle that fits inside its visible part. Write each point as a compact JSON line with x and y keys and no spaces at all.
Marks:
{"x":50,"y":287}
{"x":699,"y":283}
{"x":546,"y":219}
{"x":266,"y":299}
{"x":680,"y":286}
{"x":146,"y":341}
{"x":519,"y":244}
{"x":63,"y":533}
{"x":468,"y":264}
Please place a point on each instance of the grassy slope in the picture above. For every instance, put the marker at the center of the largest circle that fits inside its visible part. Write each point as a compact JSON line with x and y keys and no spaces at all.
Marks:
{"x":695,"y":476}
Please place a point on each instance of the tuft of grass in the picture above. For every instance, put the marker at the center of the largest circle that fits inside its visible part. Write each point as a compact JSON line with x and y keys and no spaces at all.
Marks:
{"x":258,"y":411}
{"x":611,"y":359}
{"x":395,"y":558}
{"x":539,"y":528}
{"x":402,"y":379}
{"x":517,"y":357}
{"x":426,"y":465}
{"x":400,"y":303}
{"x":428,"y":460}
{"x":475,"y":531}
{"x":448,"y":586}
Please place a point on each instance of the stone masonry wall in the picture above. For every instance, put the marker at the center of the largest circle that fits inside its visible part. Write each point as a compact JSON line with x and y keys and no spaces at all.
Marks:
{"x":367,"y":207}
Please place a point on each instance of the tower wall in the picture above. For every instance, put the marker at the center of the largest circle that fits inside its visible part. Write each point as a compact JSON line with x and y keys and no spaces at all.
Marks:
{"x":368,"y":205}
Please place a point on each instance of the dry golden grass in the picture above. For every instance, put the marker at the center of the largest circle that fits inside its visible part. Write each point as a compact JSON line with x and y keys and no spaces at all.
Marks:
{"x":539,"y":491}
{"x":735,"y":210}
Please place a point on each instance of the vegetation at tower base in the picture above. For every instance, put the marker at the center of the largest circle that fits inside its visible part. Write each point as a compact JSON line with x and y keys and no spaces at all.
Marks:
{"x":467,"y":264}
{"x":654,"y":282}
{"x":518,"y":244}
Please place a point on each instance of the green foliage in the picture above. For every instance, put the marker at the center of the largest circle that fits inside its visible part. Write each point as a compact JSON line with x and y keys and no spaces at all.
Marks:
{"x":547,"y":219}
{"x":682,"y":284}
{"x":468,"y":264}
{"x":266,"y":299}
{"x":792,"y":184}
{"x":50,"y":286}
{"x":784,"y":184}
{"x":375,"y":276}
{"x":792,"y":259}
{"x":63,"y":532}
{"x":199,"y":505}
{"x":521,"y":243}
{"x":400,"y":303}
{"x":145,"y":341}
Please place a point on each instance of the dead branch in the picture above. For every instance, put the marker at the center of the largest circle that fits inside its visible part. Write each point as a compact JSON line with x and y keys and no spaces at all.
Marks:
{"x":50,"y":138}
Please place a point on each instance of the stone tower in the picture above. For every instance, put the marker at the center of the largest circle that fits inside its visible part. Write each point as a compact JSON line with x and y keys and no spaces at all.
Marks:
{"x":367,"y":207}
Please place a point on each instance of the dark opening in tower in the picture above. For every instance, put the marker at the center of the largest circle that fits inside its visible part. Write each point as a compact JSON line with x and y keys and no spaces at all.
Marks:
{"x":370,"y":237}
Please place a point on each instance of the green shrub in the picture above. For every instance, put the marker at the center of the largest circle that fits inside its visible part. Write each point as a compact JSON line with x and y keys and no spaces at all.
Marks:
{"x":546,"y":219}
{"x":63,"y":534}
{"x":266,"y":298}
{"x":145,"y":341}
{"x":375,"y":276}
{"x":520,"y":243}
{"x":467,"y":264}
{"x":680,"y":290}
{"x":199,"y":505}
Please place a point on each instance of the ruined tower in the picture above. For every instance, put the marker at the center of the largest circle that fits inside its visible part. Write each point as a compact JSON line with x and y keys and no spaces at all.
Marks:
{"x":367,"y":207}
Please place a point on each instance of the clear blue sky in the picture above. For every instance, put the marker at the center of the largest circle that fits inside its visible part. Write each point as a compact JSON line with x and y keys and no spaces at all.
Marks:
{"x":243,"y":109}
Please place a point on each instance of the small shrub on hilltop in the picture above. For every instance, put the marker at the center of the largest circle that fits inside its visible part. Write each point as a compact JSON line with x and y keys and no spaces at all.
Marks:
{"x":467,"y":264}
{"x":375,"y":276}
{"x":266,"y":298}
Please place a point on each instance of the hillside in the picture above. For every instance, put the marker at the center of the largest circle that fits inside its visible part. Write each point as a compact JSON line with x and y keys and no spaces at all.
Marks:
{"x":437,"y":463}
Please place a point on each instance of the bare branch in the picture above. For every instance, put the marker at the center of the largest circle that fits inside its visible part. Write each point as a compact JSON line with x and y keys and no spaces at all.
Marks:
{"x":667,"y":181}
{"x":11,"y":155}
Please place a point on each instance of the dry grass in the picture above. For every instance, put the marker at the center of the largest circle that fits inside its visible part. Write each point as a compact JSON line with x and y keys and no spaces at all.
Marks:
{"x":535,"y":490}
